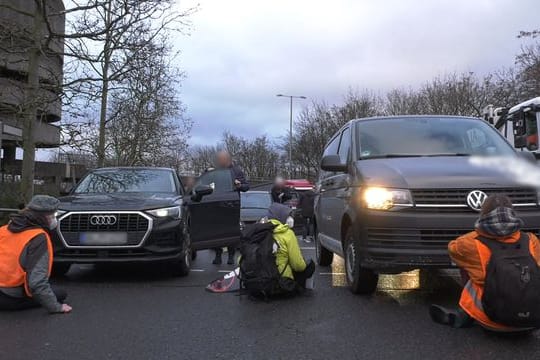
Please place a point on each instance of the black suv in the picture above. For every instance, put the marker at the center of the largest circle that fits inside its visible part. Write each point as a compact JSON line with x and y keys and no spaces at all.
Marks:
{"x":143,"y":214}
{"x":394,"y":191}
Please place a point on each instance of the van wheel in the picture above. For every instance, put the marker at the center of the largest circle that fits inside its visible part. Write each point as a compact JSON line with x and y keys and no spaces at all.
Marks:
{"x":60,"y":269}
{"x":361,"y":280}
{"x":183,"y":265}
{"x":323,"y":255}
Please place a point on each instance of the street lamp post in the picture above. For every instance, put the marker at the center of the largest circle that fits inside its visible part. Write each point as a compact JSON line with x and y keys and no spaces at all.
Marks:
{"x":291,"y":97}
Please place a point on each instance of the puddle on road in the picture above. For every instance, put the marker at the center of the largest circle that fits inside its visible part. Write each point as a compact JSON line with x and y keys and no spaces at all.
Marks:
{"x":405,"y":288}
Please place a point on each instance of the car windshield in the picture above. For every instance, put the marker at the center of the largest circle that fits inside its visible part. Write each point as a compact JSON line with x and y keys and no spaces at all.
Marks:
{"x":429,"y":136}
{"x":256,"y":200}
{"x":128,"y":181}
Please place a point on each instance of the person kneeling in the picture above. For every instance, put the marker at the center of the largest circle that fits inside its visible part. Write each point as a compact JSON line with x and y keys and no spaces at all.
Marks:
{"x":271,"y":262}
{"x":501,"y":271}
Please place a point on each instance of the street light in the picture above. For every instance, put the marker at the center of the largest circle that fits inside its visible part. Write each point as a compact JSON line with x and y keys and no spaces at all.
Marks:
{"x":291,"y":97}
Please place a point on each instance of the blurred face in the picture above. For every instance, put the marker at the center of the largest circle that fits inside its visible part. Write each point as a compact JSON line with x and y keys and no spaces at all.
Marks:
{"x":223,"y":160}
{"x":279,"y":182}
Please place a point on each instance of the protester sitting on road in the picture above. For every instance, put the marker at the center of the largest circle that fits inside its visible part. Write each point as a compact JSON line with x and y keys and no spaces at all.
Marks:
{"x":306,"y":203}
{"x":501,"y":273}
{"x":224,"y":161}
{"x":290,"y":262}
{"x":26,"y":258}
{"x":280,"y":193}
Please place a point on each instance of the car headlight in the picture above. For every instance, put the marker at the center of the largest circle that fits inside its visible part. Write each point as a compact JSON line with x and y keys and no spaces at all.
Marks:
{"x":59,"y":213}
{"x":174,"y":212}
{"x":379,"y":198}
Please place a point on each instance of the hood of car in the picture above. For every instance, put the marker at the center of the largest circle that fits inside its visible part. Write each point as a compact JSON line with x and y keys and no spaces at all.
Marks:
{"x":252,"y":214}
{"x":117,"y":202}
{"x":431,"y":172}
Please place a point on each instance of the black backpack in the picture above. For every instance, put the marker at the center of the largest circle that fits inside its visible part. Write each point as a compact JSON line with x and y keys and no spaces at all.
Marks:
{"x":512,"y":285}
{"x":259,"y":274}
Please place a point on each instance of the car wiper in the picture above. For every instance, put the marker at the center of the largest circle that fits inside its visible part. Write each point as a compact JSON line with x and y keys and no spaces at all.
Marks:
{"x":388,"y":156}
{"x":448,"y":154}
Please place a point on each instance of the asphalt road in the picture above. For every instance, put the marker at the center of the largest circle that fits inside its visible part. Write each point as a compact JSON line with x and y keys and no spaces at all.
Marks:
{"x":142,"y":313}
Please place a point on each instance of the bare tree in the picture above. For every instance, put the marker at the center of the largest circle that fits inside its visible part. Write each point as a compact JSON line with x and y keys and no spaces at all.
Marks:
{"x":113,"y":35}
{"x":146,"y":121}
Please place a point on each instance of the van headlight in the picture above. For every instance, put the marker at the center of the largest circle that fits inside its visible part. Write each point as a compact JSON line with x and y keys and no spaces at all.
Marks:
{"x":174,"y":212}
{"x":379,"y":198}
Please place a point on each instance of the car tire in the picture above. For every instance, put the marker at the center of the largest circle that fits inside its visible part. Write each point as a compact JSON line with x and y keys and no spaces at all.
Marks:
{"x":193,"y":255}
{"x":361,"y":280}
{"x":183,"y":265}
{"x":60,"y":269}
{"x":323,"y":255}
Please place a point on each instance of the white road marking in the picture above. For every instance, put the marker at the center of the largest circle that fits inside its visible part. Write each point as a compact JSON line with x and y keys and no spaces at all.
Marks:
{"x":198,"y":270}
{"x":225,"y":271}
{"x":331,"y":273}
{"x":307,"y":248}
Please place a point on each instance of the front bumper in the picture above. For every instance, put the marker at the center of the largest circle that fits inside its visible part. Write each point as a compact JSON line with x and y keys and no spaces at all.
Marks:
{"x":395,"y":241}
{"x":164,"y":242}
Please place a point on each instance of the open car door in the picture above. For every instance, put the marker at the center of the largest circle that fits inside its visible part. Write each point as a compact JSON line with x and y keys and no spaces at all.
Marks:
{"x":215,"y":218}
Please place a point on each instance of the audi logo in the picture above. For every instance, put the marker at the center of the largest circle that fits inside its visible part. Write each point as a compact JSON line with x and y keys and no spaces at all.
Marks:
{"x":103,"y":220}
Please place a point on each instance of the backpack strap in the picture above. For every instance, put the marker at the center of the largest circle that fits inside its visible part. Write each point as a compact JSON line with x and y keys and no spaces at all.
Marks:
{"x":495,"y":246}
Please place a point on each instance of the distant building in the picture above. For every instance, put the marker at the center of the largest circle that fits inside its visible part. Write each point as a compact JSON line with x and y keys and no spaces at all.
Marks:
{"x":15,"y":27}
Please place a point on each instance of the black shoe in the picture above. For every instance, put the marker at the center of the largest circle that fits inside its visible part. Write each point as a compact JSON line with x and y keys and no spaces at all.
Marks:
{"x":441,"y":315}
{"x":217,"y":260}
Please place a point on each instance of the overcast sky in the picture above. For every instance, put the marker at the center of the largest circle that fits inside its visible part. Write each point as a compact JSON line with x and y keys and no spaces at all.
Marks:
{"x":241,"y":53}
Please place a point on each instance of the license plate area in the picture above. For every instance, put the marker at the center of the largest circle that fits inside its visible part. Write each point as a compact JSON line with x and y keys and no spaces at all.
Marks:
{"x":103,"y":238}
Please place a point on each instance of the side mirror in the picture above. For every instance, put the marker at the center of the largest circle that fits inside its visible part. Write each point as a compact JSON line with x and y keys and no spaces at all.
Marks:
{"x":333,"y":163}
{"x":520,"y":141}
{"x":200,"y":191}
{"x":66,"y":188}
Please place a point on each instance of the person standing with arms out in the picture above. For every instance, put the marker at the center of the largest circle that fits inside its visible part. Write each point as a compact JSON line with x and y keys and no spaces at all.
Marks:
{"x":224,"y":161}
{"x":500,"y":267}
{"x":26,"y":258}
{"x":280,"y":192}
{"x":306,"y":203}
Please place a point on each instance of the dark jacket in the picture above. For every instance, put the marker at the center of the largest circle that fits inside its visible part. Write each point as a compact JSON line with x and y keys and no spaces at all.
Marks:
{"x":35,"y":262}
{"x":285,"y":193}
{"x":238,"y":174}
{"x":306,"y":202}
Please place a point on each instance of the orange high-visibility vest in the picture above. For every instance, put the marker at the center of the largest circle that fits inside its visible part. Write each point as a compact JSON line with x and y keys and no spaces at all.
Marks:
{"x":471,"y":296}
{"x":11,"y":247}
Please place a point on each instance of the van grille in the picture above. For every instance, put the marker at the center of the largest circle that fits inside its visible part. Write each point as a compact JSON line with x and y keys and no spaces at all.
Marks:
{"x":417,"y":239}
{"x":459,"y":196}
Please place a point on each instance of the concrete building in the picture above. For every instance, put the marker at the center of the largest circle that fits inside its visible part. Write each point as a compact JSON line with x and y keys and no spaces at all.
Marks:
{"x":16,"y":27}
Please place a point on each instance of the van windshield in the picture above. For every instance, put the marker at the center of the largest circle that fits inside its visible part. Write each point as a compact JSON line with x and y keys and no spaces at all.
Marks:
{"x":428,"y":136}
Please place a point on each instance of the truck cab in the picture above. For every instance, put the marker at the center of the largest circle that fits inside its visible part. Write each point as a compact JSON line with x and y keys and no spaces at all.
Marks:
{"x":519,"y":124}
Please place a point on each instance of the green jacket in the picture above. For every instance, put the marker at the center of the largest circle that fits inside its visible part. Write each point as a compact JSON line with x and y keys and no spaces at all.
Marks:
{"x":288,"y":256}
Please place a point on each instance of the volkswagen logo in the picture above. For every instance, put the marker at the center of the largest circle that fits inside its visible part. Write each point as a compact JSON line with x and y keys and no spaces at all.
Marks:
{"x":103,"y":220}
{"x":475,"y":199}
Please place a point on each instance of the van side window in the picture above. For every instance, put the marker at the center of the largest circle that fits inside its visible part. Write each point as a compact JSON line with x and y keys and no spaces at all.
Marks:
{"x":345,"y":145}
{"x":332,"y":148}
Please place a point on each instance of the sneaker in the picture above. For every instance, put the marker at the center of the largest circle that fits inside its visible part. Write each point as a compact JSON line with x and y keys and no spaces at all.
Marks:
{"x":307,"y":239}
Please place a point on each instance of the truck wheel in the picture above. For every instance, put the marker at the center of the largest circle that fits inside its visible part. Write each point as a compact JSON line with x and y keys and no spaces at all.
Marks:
{"x":60,"y":269}
{"x":361,"y":280}
{"x":323,"y":255}
{"x":183,"y":265}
